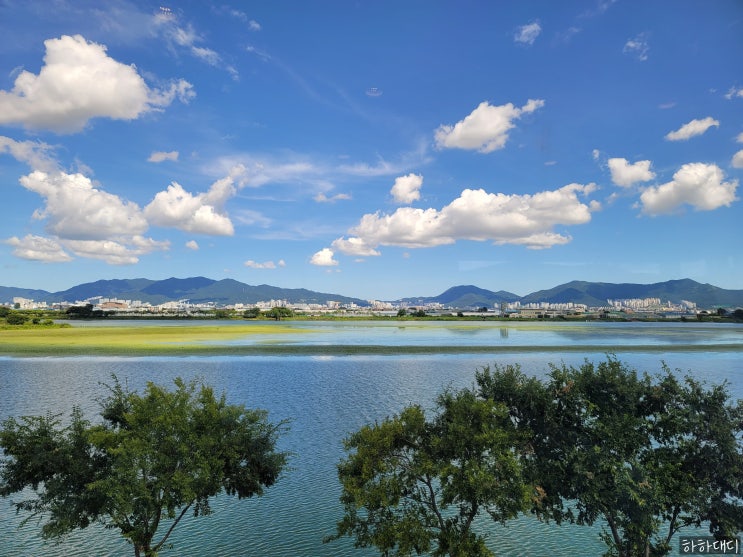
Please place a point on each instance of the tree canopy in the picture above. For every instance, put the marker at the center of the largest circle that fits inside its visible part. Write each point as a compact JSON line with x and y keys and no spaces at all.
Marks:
{"x":279,"y":312}
{"x":412,"y":485}
{"x":597,"y":443}
{"x":648,"y":455}
{"x":154,"y":458}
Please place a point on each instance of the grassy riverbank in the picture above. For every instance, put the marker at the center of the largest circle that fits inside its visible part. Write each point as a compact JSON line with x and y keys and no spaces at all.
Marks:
{"x":150,"y":340}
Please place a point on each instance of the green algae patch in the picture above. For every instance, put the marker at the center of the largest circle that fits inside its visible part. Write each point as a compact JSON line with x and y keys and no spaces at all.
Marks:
{"x":147,"y":340}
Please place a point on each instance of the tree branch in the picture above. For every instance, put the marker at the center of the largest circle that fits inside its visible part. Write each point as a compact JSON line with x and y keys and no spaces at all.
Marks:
{"x":434,"y":506}
{"x":172,"y":526}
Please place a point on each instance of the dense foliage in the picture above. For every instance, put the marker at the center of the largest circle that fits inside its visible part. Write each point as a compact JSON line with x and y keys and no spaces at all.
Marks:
{"x":644,"y":455}
{"x":647,"y":455}
{"x":413,"y":485}
{"x":154,"y":458}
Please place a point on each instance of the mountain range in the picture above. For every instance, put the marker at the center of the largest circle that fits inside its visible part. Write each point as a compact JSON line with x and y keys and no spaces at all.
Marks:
{"x":594,"y":294}
{"x":229,"y":291}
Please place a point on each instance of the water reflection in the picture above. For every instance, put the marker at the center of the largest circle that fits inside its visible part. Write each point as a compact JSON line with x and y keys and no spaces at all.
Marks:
{"x":326,"y":398}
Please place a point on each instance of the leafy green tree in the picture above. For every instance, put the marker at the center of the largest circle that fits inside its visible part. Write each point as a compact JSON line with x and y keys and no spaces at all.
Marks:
{"x":153,"y":459}
{"x":648,"y":455}
{"x":279,"y":312}
{"x":414,"y":486}
{"x":15,"y":318}
{"x":402,"y":312}
{"x":251,"y":313}
{"x":83,"y":312}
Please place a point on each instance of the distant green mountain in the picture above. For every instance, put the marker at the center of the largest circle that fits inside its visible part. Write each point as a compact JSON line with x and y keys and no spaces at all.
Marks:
{"x":125,"y":289}
{"x":596,"y":293}
{"x":7,"y":293}
{"x":465,"y":296}
{"x":229,"y":291}
{"x":178,"y":288}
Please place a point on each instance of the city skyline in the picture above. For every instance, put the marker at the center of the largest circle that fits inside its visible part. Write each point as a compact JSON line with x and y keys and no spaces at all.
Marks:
{"x":376,"y":147}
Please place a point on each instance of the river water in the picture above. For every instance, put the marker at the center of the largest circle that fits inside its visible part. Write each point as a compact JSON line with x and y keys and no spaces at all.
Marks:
{"x":328,"y":397}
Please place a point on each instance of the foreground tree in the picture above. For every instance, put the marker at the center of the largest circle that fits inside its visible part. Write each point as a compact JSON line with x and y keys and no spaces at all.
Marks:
{"x":155,"y":458}
{"x":412,"y":486}
{"x":648,"y":455}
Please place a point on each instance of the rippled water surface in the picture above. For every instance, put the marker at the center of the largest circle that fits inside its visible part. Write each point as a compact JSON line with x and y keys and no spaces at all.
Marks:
{"x":327,"y":398}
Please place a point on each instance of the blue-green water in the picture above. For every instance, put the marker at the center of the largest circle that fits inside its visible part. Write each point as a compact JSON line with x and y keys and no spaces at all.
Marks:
{"x":329,"y":397}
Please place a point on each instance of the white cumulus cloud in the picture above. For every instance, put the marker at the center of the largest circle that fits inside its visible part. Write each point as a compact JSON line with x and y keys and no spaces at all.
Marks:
{"x":625,"y":174}
{"x":192,"y":245}
{"x":85,"y":221}
{"x":528,"y":220}
{"x":75,"y":209}
{"x":734,"y":92}
{"x":354,"y":246}
{"x":485,"y":129}
{"x":160,"y":156}
{"x":737,"y":161}
{"x":407,"y":188}
{"x":697,"y":184}
{"x":38,"y":248}
{"x":528,"y":33}
{"x":78,"y":82}
{"x":324,"y":258}
{"x":202,"y":213}
{"x":36,"y":154}
{"x":691,"y":129}
{"x":115,"y":252}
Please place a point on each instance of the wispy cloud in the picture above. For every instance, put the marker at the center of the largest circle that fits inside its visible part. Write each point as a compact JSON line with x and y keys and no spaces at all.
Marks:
{"x":638,"y":47}
{"x":734,"y":92}
{"x":322,"y":198}
{"x":265,"y":265}
{"x":160,"y":156}
{"x":527,"y":34}
{"x":692,"y":129}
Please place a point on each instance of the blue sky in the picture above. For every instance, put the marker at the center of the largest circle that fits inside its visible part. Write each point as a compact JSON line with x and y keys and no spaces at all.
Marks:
{"x":375,"y":149}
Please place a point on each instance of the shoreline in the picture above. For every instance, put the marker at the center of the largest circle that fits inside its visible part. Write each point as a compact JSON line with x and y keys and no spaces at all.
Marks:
{"x":20,"y":351}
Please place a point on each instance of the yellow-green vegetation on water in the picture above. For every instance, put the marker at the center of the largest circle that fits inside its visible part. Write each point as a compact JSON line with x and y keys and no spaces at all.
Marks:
{"x":149,"y":340}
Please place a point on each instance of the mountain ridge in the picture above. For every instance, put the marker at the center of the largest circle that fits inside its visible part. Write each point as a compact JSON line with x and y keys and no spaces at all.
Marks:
{"x":229,"y":291}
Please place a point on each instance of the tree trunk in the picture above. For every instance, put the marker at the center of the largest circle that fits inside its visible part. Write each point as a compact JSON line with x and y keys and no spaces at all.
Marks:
{"x":142,"y":549}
